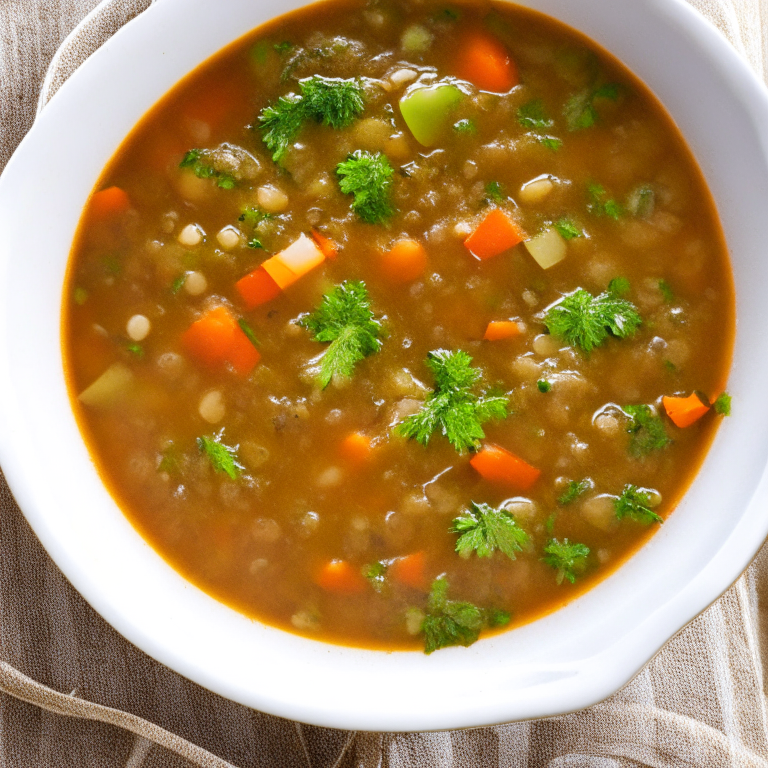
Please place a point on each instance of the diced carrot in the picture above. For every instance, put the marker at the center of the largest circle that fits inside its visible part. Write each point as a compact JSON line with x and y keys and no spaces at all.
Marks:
{"x":498,"y":330}
{"x":301,"y":256}
{"x":209,"y":339}
{"x":109,"y":202}
{"x":485,"y":62}
{"x":404,"y":261}
{"x":356,"y":448}
{"x":498,"y":465}
{"x":243,"y":356}
{"x":340,"y":577}
{"x":495,"y":234}
{"x":279,"y":272}
{"x":257,"y":288}
{"x":327,"y":246}
{"x":684,"y":411}
{"x":409,"y":570}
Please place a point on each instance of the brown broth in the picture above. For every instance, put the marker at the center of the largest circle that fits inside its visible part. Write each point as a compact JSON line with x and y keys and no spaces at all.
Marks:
{"x":257,"y":543}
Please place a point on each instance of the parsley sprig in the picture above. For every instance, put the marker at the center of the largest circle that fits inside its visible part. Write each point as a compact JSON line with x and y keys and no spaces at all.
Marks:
{"x":600,"y":203}
{"x":198,"y":162}
{"x":575,"y":489}
{"x":634,"y":503}
{"x":330,"y":101}
{"x":581,"y":109}
{"x":344,"y":318}
{"x":533,"y":115}
{"x":569,"y":559}
{"x":586,"y":321}
{"x":647,"y":430}
{"x":454,"y":408}
{"x":368,"y":177}
{"x":449,"y":622}
{"x":223,"y":457}
{"x":484,"y":529}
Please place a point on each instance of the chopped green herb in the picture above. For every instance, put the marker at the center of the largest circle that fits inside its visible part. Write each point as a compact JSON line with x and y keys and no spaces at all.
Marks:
{"x":641,"y":202}
{"x":376,"y":574}
{"x":647,"y":430}
{"x":252,"y":217}
{"x":344,"y":318}
{"x":449,"y":622}
{"x":619,"y":286}
{"x":79,"y":296}
{"x":178,"y":284}
{"x":466,"y":127}
{"x":283,"y":47}
{"x":484,"y":529}
{"x":549,"y":525}
{"x":568,"y":559}
{"x":544,"y":386}
{"x":666,"y":291}
{"x":453,"y":408}
{"x":532,"y":115}
{"x":567,"y":229}
{"x":368,"y":177}
{"x":670,"y":366}
{"x":723,"y":405}
{"x":223,"y":457}
{"x":254,"y":242}
{"x":575,"y":489}
{"x":550,"y":142}
{"x":580,"y":111}
{"x":331,"y":101}
{"x":248,"y":331}
{"x":599,"y":204}
{"x":197,"y":161}
{"x":169,"y":460}
{"x":136,"y":349}
{"x":586,"y":321}
{"x":497,"y":618}
{"x":634,"y":503}
{"x":494,"y":193}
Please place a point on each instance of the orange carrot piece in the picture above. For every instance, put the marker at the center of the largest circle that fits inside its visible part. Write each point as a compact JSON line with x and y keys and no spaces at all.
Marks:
{"x":209,"y":339}
{"x":495,"y":234}
{"x":404,"y":261}
{"x":684,"y":411}
{"x":325,"y":244}
{"x":340,"y":577}
{"x":243,"y":356}
{"x":109,"y":202}
{"x":283,"y":276}
{"x":485,"y":62}
{"x":356,"y":448}
{"x":257,"y":288}
{"x":498,"y":465}
{"x":409,"y":570}
{"x":498,"y":330}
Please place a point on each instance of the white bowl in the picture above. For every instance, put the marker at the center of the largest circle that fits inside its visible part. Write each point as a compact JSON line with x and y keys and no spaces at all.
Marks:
{"x":563,"y":662}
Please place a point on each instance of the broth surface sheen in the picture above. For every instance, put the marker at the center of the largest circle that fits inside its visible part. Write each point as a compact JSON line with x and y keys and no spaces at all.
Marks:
{"x":522,"y":170}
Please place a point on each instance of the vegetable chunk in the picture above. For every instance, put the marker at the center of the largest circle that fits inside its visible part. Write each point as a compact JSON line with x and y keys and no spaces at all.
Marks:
{"x":496,"y":233}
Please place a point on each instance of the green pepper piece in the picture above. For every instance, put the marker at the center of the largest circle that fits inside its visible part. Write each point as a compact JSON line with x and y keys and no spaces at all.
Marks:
{"x":427,"y":111}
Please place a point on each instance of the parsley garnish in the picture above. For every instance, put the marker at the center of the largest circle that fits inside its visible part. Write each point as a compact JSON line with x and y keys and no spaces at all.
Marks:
{"x":532,"y":115}
{"x":484,"y":529}
{"x":197,"y":161}
{"x":568,"y":559}
{"x":368,"y":176}
{"x":666,"y":291}
{"x":178,"y":284}
{"x":283,"y":47}
{"x":252,"y":217}
{"x":494,"y":193}
{"x":344,"y":318}
{"x":136,"y":349}
{"x":169,"y":460}
{"x":248,"y":331}
{"x":376,"y":574}
{"x":723,"y":405}
{"x":544,"y":386}
{"x":330,"y":101}
{"x":580,"y":111}
{"x":646,"y":429}
{"x":633,"y":503}
{"x":600,"y":204}
{"x":586,"y":321}
{"x":574,"y":490}
{"x":453,"y":407}
{"x":465,"y":127}
{"x":498,"y":618}
{"x":449,"y":622}
{"x":223,"y":457}
{"x":567,"y":229}
{"x":619,"y":286}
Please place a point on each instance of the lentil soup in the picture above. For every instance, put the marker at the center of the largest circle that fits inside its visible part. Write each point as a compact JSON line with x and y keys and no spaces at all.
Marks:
{"x":396,"y":324}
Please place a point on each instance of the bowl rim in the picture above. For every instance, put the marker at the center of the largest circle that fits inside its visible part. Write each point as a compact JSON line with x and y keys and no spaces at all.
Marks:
{"x":597,"y":676}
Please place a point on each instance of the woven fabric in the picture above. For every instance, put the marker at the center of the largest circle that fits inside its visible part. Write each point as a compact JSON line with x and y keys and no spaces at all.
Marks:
{"x":75,"y":693}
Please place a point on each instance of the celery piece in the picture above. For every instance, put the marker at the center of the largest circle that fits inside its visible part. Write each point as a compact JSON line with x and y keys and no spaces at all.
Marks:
{"x":427,"y":111}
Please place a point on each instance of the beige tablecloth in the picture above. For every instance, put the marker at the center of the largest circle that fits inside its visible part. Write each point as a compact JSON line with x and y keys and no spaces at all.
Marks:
{"x":75,"y":693}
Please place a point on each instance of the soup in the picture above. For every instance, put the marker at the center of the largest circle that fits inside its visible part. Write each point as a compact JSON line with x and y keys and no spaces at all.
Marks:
{"x":397,"y":325}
